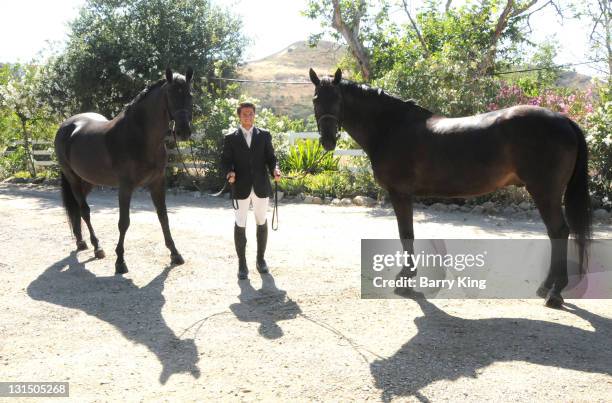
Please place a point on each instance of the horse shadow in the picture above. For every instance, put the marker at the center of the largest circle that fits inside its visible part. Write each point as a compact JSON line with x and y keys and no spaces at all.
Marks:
{"x":135,"y":312}
{"x":267,"y":306}
{"x":447,"y":347}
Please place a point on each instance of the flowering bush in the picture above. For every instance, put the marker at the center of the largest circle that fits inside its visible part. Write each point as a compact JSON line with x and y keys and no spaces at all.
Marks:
{"x":599,"y":139}
{"x":576,"y":104}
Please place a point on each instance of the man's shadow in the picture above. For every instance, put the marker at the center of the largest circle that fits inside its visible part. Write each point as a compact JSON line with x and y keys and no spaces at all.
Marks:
{"x":135,"y":312}
{"x":267,"y":306}
{"x":447,"y":348}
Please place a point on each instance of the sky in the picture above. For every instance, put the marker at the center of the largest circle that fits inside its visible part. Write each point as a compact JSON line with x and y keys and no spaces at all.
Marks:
{"x":271,"y":24}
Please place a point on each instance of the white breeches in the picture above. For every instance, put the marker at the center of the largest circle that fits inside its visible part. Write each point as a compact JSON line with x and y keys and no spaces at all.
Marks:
{"x":260,"y":208}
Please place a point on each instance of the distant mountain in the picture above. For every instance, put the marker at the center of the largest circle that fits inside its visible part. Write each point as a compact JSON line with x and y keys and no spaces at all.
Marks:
{"x":290,"y":64}
{"x":571,"y":79}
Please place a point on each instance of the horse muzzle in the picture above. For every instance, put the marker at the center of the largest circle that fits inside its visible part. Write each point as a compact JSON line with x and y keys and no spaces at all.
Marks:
{"x":328,"y":143}
{"x":181,"y":124}
{"x":182,"y":131}
{"x":329,"y":137}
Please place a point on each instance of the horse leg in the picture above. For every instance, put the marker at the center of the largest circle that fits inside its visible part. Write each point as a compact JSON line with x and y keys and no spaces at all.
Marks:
{"x":70,"y":187}
{"x":81,"y":198}
{"x":125,"y":196}
{"x":558,"y":232}
{"x":158,"y":195}
{"x":402,"y":205}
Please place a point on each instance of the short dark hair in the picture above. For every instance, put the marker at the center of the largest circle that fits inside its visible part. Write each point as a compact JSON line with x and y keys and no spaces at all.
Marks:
{"x":245,"y":105}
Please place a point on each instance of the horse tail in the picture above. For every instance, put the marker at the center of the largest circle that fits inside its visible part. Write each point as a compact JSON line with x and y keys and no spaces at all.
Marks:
{"x":70,"y":204}
{"x":578,"y":201}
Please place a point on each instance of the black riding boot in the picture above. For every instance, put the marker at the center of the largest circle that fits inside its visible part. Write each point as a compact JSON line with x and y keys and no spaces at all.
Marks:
{"x":262,"y":240}
{"x":240,"y":241}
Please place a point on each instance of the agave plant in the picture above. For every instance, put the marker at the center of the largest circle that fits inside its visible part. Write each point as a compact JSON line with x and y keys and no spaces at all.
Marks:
{"x":309,"y":156}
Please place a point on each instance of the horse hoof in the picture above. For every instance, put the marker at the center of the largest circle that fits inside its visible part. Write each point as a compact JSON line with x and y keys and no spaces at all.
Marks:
{"x":542,"y":291}
{"x":81,"y":245}
{"x":177,"y":259}
{"x":554,"y":301}
{"x":99,"y":254}
{"x":121,"y":268}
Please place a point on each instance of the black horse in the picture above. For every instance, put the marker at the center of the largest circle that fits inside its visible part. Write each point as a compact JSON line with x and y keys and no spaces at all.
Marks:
{"x":416,"y":153}
{"x":128,"y":151}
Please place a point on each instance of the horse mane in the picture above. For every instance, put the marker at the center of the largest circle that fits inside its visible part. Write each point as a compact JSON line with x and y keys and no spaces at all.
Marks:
{"x":386,"y":100}
{"x":142,"y":95}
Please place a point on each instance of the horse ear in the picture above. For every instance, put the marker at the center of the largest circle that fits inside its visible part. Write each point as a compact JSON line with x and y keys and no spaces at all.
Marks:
{"x":337,"y":77}
{"x":313,"y":77}
{"x":189,"y":74}
{"x":168,"y":74}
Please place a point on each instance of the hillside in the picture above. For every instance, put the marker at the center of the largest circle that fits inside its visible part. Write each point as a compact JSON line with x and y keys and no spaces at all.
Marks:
{"x":290,"y":64}
{"x":571,"y":79}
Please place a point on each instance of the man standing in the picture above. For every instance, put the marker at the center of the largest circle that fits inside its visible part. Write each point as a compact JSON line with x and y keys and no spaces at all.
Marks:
{"x":247,"y":155}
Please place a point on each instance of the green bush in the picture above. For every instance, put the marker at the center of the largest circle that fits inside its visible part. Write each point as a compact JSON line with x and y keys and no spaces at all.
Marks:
{"x":13,"y":162}
{"x":335,"y":184}
{"x":310,"y":157}
{"x":328,"y":184}
{"x":362,"y":179}
{"x":292,"y":183}
{"x":505,"y":196}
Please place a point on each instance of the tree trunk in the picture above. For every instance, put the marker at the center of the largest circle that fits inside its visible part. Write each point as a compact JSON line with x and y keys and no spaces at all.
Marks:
{"x":350,"y":33}
{"x":27,"y":147}
{"x":511,"y":10}
{"x":607,"y":14}
{"x":416,"y":28}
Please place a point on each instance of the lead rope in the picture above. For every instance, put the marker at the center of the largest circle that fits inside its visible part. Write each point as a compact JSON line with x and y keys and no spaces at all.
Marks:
{"x":234,"y":200}
{"x":178,"y":150}
{"x":231,"y":192}
{"x":275,"y":208}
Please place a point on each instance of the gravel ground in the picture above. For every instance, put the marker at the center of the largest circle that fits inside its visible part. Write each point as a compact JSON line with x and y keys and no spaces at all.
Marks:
{"x":194,"y":332}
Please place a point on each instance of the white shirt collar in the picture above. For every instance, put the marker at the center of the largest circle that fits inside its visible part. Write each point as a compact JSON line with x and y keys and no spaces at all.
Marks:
{"x":245,"y":131}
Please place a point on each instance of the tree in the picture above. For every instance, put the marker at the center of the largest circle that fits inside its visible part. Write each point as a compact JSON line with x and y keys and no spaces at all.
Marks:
{"x":19,"y":98}
{"x":446,"y":57}
{"x":444,"y":54}
{"x":600,"y":14}
{"x":117,"y":47}
{"x":358,"y":22}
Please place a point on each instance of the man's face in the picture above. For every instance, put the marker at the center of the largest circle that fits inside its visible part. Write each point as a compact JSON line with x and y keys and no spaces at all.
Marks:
{"x":247,"y":117}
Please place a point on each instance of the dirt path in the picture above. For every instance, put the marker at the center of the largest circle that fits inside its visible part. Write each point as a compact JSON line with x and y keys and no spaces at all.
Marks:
{"x":192,"y":333}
